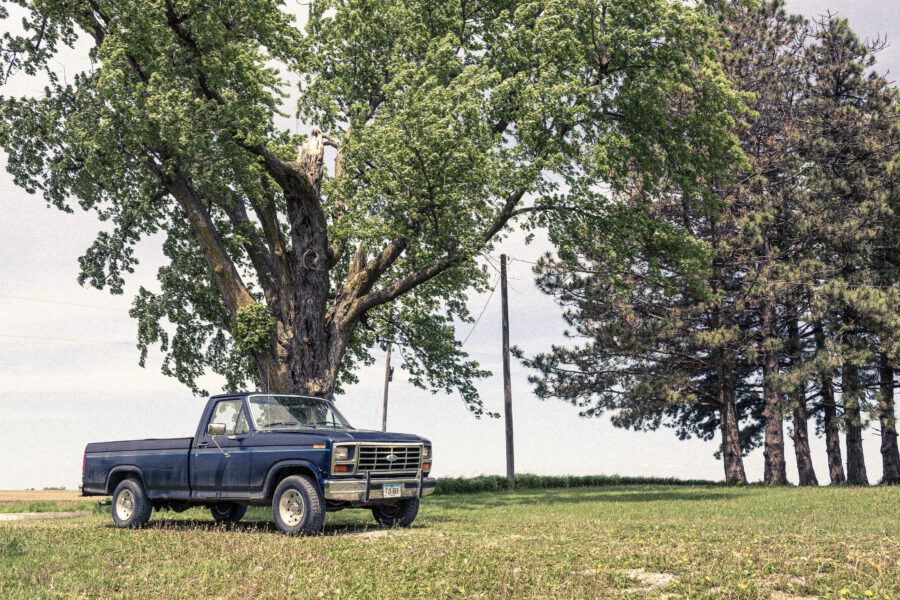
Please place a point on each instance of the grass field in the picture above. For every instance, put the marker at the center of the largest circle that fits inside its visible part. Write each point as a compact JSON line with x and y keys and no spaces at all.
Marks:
{"x":617,"y":542}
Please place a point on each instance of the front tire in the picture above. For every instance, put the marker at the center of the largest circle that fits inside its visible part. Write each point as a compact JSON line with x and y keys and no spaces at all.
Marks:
{"x":401,"y":514}
{"x":228,"y":512}
{"x":297,"y":506}
{"x":130,"y":506}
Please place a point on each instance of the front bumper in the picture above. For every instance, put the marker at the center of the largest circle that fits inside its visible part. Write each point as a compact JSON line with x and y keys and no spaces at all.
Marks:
{"x":365,"y":489}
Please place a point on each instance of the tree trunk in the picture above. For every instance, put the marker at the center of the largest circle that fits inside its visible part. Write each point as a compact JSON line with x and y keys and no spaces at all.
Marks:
{"x":851,"y":394}
{"x":829,"y":415}
{"x":805,"y":471}
{"x":318,"y":343}
{"x":775,"y":472}
{"x":731,"y":437}
{"x":890,"y":455}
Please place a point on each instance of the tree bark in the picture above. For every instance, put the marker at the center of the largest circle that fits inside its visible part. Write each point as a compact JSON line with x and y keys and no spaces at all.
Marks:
{"x":890,"y":455}
{"x":851,"y":394}
{"x":829,"y":414}
{"x":731,"y":436}
{"x":732,"y":456}
{"x":316,"y":340}
{"x":775,"y":471}
{"x":805,"y":472}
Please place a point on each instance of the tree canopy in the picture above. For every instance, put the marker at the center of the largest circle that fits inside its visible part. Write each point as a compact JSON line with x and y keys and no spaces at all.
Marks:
{"x":430,"y":128}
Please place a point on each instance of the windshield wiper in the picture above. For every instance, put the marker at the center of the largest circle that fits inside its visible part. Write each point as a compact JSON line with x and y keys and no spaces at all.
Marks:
{"x":330,"y":424}
{"x":282,"y":424}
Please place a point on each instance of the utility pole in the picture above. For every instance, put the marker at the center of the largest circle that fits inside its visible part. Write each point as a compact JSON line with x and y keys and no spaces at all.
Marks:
{"x":388,"y":376}
{"x":507,"y":387}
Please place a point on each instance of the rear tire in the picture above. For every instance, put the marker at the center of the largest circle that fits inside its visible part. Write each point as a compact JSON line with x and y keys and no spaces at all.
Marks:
{"x":130,"y":506}
{"x":228,"y":512}
{"x":401,"y":514}
{"x":297,"y":506}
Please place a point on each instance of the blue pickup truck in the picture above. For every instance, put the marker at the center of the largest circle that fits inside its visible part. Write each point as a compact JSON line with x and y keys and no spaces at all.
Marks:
{"x":295,"y":453}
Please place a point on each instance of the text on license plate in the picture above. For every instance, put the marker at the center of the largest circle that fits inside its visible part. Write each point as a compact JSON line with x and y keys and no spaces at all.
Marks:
{"x":391,"y":490}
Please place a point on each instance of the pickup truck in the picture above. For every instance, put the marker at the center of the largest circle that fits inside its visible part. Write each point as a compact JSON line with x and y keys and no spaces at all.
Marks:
{"x":295,"y":453}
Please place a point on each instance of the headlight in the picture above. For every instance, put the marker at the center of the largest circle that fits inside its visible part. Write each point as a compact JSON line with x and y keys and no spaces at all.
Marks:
{"x":341,"y":453}
{"x":426,"y":453}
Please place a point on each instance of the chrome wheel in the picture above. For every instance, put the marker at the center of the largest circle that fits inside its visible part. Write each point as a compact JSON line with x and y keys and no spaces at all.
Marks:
{"x":291,"y":508}
{"x":125,"y":505}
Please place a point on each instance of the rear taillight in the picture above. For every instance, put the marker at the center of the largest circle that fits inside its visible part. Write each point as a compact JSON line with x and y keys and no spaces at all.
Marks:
{"x":83,"y":465}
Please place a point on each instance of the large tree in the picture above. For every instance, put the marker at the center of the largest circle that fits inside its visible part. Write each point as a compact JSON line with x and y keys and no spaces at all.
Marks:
{"x":431,"y":126}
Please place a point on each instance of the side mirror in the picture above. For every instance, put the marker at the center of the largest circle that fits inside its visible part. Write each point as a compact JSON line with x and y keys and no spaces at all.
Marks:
{"x":215,"y":429}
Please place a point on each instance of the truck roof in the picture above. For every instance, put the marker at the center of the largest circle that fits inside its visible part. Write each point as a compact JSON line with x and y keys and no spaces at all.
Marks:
{"x":242,"y":394}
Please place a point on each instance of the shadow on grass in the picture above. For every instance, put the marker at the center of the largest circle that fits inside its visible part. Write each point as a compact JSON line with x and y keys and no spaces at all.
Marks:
{"x":261,"y":526}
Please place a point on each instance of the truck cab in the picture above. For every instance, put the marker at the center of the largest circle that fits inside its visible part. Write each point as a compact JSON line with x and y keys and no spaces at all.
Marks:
{"x":295,"y":453}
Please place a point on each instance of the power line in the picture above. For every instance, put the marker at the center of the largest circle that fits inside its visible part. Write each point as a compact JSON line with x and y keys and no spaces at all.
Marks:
{"x":28,"y":299}
{"x":474,"y":325}
{"x":71,"y":340}
{"x":487,"y":257}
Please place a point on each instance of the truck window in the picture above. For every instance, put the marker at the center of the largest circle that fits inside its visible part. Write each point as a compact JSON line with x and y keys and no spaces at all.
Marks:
{"x":231,"y":413}
{"x":283,"y":412}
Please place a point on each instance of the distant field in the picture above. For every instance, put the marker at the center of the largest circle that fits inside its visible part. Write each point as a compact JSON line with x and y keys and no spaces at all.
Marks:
{"x":14,"y":496}
{"x":614,"y":542}
{"x":43,"y":501}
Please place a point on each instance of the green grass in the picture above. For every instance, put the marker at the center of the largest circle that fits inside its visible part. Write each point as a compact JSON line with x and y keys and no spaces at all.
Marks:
{"x":708,"y":542}
{"x":527,"y":481}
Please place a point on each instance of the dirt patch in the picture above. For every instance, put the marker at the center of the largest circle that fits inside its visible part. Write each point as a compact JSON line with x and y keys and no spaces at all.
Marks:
{"x":650,"y":580}
{"x":375,"y":533}
{"x":31,"y":516}
{"x":785,"y":596}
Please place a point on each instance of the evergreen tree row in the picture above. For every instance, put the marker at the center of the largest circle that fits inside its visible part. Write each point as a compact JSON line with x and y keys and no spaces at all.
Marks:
{"x":766,"y":305}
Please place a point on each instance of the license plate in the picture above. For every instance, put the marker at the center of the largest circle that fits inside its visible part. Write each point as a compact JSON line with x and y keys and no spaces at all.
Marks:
{"x":391,"y":490}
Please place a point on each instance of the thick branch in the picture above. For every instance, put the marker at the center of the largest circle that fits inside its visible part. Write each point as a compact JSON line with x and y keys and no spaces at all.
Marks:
{"x":267,"y":213}
{"x":453,"y":257}
{"x":228,"y":280}
{"x":256,"y":249}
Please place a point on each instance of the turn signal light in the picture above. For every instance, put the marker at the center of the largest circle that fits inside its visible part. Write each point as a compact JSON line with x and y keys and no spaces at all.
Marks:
{"x":342,"y":468}
{"x":426,"y":466}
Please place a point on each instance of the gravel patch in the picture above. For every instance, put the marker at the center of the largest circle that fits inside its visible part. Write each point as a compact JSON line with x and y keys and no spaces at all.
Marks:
{"x":34,"y":516}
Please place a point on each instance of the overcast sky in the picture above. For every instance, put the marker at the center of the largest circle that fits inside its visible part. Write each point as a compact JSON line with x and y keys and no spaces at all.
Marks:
{"x":69,"y":372}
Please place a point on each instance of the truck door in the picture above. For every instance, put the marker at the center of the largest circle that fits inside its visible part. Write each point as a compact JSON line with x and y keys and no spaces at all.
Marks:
{"x":213,"y":475}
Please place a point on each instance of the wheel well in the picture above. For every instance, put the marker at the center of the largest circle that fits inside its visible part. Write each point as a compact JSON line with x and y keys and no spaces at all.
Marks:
{"x":287,"y":471}
{"x":120,"y":476}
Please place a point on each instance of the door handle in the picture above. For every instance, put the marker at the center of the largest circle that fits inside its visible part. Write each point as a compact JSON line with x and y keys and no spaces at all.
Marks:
{"x":203,"y":444}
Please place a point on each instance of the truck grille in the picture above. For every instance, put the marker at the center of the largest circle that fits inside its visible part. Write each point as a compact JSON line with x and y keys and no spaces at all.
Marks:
{"x":375,"y":458}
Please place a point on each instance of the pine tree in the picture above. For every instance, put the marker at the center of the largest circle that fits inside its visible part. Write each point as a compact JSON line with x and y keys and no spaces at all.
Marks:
{"x":850,"y":147}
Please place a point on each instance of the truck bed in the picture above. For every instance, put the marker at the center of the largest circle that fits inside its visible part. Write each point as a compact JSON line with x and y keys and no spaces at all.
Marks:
{"x":163,"y":465}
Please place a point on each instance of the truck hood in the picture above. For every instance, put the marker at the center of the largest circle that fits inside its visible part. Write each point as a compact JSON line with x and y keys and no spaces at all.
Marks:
{"x":368,"y":435}
{"x":307,"y":436}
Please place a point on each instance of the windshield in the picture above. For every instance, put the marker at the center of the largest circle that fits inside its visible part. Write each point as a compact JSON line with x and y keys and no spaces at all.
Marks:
{"x":294,"y":412}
